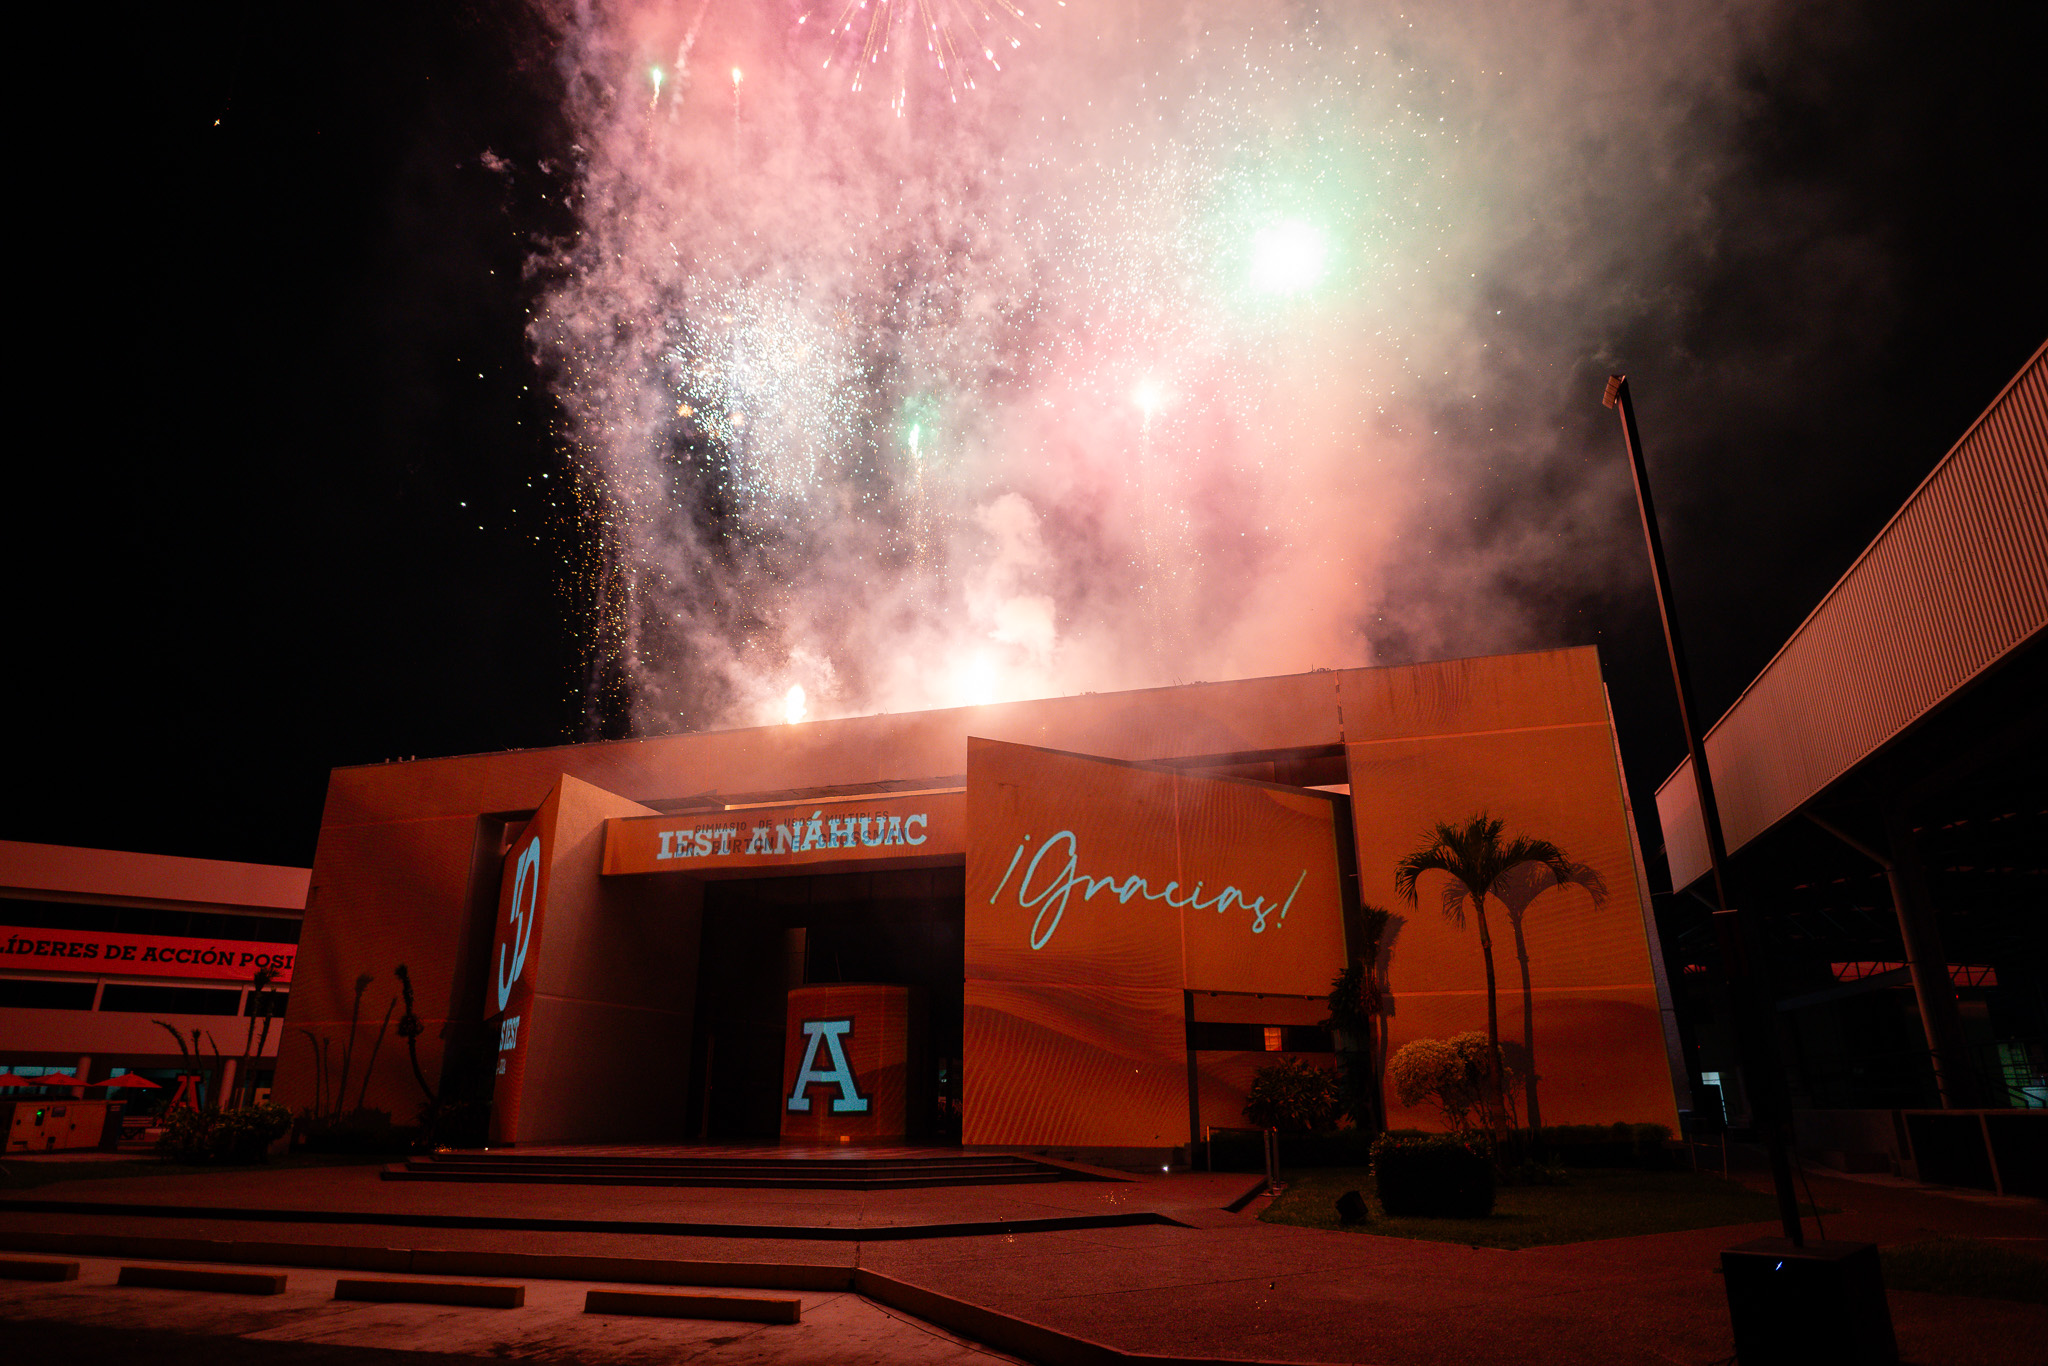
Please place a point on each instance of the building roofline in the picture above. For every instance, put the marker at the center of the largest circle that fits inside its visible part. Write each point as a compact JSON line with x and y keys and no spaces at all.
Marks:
{"x":69,"y":871}
{"x":930,"y":711}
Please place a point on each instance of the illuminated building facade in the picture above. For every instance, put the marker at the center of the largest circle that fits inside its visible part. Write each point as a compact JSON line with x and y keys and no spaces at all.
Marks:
{"x":1071,"y":925}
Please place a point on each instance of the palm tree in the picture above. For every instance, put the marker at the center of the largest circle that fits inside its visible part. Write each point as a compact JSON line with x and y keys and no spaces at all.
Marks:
{"x":1358,"y":1019}
{"x":1515,"y":889}
{"x":244,"y":1073}
{"x":410,"y":1029}
{"x":1474,"y":856}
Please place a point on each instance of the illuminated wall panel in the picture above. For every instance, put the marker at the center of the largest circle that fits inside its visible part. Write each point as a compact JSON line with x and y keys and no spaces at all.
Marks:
{"x":1097,"y":893}
{"x":1598,"y":1041}
{"x":614,"y":988}
{"x":381,"y":895}
{"x":1082,"y":1065}
{"x":851,"y":1044}
{"x":514,"y":962}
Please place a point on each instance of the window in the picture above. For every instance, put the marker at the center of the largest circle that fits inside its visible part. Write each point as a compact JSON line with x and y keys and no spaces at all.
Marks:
{"x":23,"y":993}
{"x":1209,"y":1036}
{"x":71,"y":915}
{"x":171,"y":1000}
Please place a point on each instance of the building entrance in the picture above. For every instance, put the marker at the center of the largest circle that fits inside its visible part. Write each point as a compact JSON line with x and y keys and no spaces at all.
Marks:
{"x":763,"y":936}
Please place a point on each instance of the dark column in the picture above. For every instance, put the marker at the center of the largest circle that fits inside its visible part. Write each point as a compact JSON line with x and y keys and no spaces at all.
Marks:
{"x":1927,"y":964}
{"x":1933,"y":989}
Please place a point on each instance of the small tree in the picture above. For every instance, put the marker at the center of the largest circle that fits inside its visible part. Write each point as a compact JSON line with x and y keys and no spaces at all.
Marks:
{"x":1358,"y":1020}
{"x":1515,"y":889}
{"x":1473,"y":856}
{"x":1454,"y":1076}
{"x":348,"y":1047}
{"x":193,"y":1059}
{"x":322,"y":1066}
{"x":410,"y":1029}
{"x":244,"y":1083}
{"x":1293,"y":1095}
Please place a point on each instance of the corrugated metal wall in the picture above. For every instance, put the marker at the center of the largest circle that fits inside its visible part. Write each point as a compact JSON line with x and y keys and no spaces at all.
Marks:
{"x":1956,"y":580}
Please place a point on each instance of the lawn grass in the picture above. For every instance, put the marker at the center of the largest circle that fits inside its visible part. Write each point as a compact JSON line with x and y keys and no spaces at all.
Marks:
{"x":1593,"y":1204}
{"x":21,"y":1176}
{"x":1966,"y":1266}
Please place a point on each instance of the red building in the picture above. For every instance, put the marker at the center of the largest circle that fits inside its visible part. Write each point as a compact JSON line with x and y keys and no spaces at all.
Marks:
{"x":1073,"y":925}
{"x":98,"y":946}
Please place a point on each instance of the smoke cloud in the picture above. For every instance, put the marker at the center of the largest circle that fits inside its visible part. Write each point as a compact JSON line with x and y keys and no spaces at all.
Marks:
{"x":1202,"y":340}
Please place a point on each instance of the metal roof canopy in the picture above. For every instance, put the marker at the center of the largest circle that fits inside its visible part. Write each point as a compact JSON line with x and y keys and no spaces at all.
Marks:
{"x":1953,"y":587}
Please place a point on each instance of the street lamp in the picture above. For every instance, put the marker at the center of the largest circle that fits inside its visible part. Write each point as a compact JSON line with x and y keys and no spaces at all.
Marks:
{"x":1782,"y":1295}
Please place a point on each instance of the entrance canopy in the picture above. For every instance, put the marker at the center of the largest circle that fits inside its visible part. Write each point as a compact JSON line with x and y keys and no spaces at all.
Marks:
{"x":810,"y":837}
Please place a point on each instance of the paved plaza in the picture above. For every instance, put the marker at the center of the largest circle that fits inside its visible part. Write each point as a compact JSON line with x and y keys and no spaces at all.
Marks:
{"x":1145,"y":1267}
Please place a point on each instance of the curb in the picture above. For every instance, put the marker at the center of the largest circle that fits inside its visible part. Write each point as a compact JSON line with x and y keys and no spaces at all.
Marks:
{"x":473,"y":1294}
{"x":668,"y":1305}
{"x":830,"y":1233}
{"x":1005,"y":1332}
{"x":196,"y":1278}
{"x":438,"y":1262}
{"x":1257,"y":1189}
{"x":36,"y":1269}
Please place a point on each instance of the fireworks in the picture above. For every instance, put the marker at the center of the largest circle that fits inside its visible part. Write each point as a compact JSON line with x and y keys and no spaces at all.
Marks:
{"x":839,"y":400}
{"x":955,"y":37}
{"x":1288,"y":257}
{"x":1148,"y":396}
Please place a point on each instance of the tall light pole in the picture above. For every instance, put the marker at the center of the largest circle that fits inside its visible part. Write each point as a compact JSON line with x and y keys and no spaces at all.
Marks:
{"x":1760,"y":1059}
{"x":1787,"y":1301}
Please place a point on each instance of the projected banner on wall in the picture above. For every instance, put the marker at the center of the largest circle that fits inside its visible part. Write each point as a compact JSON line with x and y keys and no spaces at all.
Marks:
{"x":1097,"y":892}
{"x":1575,"y":989}
{"x":514,"y":963}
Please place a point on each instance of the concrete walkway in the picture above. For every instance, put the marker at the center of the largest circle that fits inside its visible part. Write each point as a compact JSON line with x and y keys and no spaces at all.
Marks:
{"x":94,"y":1314}
{"x":1201,"y":1283}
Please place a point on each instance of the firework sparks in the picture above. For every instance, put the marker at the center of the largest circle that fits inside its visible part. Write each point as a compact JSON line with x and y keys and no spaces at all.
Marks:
{"x":857,"y":389}
{"x":1011,"y":403}
{"x":952,"y":37}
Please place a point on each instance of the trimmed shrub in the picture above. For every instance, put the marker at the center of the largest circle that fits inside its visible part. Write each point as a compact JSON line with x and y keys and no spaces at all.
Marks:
{"x":1244,"y":1150}
{"x":242,"y":1136}
{"x":1436,"y":1175}
{"x":459,"y":1124}
{"x":1292,"y":1094}
{"x":359,"y":1131}
{"x":1453,"y":1076}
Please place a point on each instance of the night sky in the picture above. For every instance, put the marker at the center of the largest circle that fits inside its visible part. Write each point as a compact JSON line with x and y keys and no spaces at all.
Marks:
{"x":279,"y":503}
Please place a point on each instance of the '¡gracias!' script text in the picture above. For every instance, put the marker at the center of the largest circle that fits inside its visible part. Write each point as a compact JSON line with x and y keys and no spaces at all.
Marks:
{"x":1063,"y":875}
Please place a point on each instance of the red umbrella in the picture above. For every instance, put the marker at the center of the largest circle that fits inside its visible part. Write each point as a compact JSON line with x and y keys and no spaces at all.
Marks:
{"x":55,"y":1079}
{"x":9,"y":1079}
{"x":131,"y":1079}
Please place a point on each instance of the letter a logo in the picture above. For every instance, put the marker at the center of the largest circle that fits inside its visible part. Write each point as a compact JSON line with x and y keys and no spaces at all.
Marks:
{"x":849,"y":1101}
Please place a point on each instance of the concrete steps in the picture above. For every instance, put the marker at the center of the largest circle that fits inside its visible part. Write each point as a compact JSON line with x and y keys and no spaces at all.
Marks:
{"x":767,"y":1173}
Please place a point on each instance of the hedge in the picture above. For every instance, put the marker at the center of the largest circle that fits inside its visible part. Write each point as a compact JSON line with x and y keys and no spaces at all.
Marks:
{"x":203,"y":1136}
{"x":1432,"y":1175}
{"x":1603,"y":1145}
{"x":1243,"y":1150}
